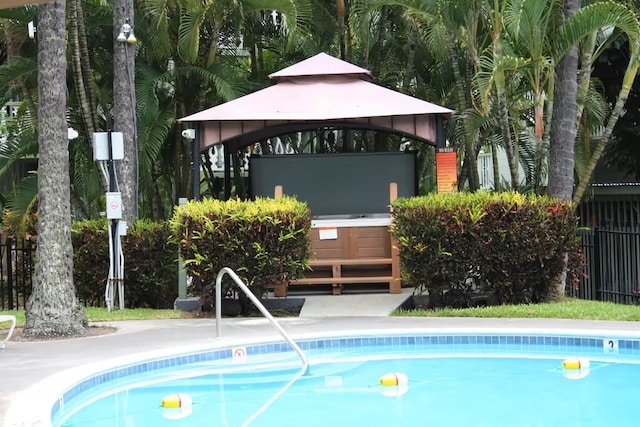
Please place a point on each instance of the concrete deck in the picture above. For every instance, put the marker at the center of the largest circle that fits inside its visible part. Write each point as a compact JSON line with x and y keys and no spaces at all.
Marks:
{"x":28,"y":368}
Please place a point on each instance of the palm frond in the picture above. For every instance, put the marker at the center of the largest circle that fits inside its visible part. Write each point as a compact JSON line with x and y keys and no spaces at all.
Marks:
{"x":20,"y":204}
{"x":592,"y":18}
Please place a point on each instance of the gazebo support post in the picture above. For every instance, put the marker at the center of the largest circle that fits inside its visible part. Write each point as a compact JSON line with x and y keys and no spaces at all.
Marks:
{"x":195,"y":162}
{"x":440,"y":139}
{"x":227,"y":171}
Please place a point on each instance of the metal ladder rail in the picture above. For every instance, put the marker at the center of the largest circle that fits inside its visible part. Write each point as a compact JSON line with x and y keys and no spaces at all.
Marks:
{"x":265,"y":312}
{"x":258,"y":304}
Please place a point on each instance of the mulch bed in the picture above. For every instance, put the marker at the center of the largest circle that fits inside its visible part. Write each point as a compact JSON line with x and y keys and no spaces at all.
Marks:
{"x":92,"y":331}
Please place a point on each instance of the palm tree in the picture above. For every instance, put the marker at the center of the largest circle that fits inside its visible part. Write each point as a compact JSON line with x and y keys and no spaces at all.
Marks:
{"x":124,"y":106}
{"x":18,"y":80}
{"x":53,"y":309}
{"x":626,"y":21}
{"x":189,"y":65}
{"x":563,"y":125}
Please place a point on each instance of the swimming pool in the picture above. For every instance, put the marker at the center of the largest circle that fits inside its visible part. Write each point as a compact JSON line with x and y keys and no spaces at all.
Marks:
{"x":453,"y":379}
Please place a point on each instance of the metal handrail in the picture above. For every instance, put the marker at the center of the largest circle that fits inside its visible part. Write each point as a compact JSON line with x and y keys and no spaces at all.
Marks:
{"x":258,"y":304}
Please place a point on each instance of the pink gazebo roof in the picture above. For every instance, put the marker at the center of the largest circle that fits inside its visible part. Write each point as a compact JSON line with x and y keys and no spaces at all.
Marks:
{"x":320,"y":65}
{"x":321,"y":89}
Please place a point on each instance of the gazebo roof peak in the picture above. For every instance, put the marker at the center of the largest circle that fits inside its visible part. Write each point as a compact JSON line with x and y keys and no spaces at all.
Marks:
{"x":321,"y":64}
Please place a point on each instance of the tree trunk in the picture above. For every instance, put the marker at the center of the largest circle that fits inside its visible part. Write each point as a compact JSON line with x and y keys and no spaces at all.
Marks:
{"x":497,"y":185}
{"x":464,"y":104}
{"x":124,"y":99}
{"x":340,"y":11}
{"x":87,"y":71}
{"x":564,"y":122}
{"x":510,"y":146}
{"x":53,"y":309}
{"x":564,"y":129}
{"x":76,"y":66}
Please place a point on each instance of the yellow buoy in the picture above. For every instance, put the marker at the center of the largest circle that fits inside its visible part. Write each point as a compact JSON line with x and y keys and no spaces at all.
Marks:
{"x":575,"y":363}
{"x":393,"y":379}
{"x":176,"y":400}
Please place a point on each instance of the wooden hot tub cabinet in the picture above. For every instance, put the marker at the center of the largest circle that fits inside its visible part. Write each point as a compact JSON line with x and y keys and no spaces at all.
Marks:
{"x":354,"y":249}
{"x":359,"y":254}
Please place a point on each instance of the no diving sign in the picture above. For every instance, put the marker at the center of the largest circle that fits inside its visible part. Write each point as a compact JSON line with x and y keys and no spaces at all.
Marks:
{"x":239,"y":355}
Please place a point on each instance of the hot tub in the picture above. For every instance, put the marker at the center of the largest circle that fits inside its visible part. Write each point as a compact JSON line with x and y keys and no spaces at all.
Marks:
{"x":351,"y":220}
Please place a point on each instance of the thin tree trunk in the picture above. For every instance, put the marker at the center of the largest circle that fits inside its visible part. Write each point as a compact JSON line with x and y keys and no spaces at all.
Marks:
{"x":76,"y":66}
{"x":340,"y":11}
{"x":53,"y":309}
{"x":503,"y":117}
{"x":86,"y":65}
{"x":124,"y":116}
{"x":503,"y":113}
{"x":470,"y":165}
{"x":584,"y":75}
{"x":497,"y":185}
{"x":541,"y":148}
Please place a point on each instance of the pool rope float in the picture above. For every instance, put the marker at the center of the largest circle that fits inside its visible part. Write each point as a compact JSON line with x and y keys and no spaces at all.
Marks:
{"x":393,"y":379}
{"x":394,"y":384}
{"x":576,"y":368}
{"x":176,"y":406}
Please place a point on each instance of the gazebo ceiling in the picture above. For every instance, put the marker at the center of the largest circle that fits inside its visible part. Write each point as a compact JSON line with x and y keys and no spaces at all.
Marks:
{"x":321,"y":91}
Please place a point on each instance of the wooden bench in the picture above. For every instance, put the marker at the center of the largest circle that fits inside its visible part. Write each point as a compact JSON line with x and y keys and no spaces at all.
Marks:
{"x":330,"y":271}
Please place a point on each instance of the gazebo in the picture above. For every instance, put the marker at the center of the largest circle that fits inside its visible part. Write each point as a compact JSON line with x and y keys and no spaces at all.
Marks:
{"x":328,"y":93}
{"x":319,"y":92}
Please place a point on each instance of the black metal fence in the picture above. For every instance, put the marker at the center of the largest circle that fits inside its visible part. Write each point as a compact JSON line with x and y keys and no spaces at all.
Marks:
{"x":16,"y":272}
{"x":612,"y":265}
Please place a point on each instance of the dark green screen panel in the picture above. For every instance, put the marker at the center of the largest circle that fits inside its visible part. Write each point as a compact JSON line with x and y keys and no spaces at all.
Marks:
{"x":336,"y":184}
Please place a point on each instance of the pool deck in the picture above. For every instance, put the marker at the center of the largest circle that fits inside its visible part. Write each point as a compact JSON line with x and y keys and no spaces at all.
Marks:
{"x":24,"y":366}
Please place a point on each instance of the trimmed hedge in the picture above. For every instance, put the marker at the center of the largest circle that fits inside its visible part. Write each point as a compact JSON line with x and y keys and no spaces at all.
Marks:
{"x":265,"y":241}
{"x":514,"y":245}
{"x":150,"y":268}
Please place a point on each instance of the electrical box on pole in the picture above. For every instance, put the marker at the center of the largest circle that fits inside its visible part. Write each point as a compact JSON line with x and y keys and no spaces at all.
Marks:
{"x":114,"y":205}
{"x":101,"y":146}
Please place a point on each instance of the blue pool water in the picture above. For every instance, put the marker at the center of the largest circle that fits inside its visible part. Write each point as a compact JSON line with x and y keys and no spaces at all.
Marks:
{"x":494,"y":381}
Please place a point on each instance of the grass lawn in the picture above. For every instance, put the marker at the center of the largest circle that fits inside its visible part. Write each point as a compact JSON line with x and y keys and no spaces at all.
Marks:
{"x":566,"y":309}
{"x":99,"y":314}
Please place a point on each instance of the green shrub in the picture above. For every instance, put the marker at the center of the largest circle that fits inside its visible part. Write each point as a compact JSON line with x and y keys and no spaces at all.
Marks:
{"x":264,"y":241}
{"x":90,"y":241}
{"x":150,"y":268}
{"x":511,"y":244}
{"x":151,"y":265}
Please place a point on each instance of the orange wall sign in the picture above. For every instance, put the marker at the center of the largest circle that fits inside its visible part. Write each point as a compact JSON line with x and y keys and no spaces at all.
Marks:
{"x":446,"y":170}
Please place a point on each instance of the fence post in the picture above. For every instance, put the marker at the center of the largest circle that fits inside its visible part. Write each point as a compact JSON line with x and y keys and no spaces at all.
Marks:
{"x":597,"y":272}
{"x":9,"y":260}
